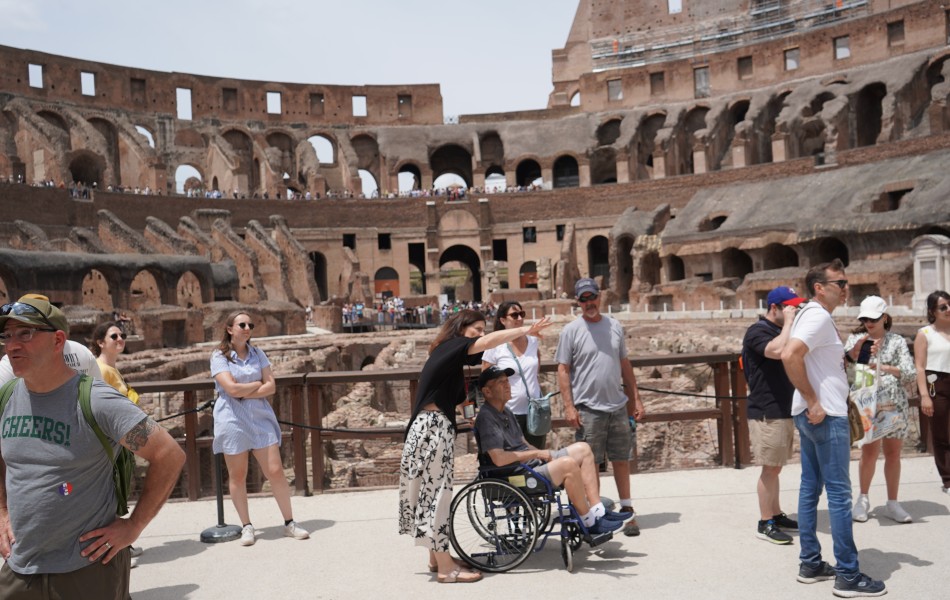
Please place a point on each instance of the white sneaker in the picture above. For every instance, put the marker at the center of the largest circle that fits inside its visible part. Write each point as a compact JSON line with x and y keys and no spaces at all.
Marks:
{"x":134,"y":563}
{"x":897,"y":512}
{"x":295,"y":531}
{"x":247,"y":535}
{"x":860,"y":511}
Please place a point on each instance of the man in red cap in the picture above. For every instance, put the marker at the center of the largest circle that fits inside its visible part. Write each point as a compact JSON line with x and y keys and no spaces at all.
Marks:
{"x":770,"y":407}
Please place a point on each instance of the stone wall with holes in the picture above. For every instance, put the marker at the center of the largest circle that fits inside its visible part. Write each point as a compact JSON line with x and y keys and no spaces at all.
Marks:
{"x":732,"y":171}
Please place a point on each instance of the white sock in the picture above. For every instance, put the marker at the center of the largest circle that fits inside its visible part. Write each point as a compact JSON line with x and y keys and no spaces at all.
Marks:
{"x":626,"y":502}
{"x":598,"y":510}
{"x":589,"y":519}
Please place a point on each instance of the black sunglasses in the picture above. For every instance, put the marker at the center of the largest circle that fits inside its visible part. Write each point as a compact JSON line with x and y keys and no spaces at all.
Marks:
{"x":516,"y":314}
{"x":587,"y":298}
{"x":23,"y":309}
{"x":246,"y":326}
{"x":116,"y":336}
{"x":841,"y":283}
{"x":940,"y":307}
{"x":869,"y":320}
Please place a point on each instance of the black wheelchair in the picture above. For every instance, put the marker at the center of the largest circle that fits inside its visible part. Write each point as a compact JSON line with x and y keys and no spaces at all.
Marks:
{"x":507,"y":513}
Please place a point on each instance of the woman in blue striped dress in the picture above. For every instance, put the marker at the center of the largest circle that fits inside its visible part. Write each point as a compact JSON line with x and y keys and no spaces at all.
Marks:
{"x":244,"y":422}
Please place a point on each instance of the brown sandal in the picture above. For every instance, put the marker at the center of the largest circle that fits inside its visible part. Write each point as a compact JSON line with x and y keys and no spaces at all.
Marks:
{"x":459,"y":576}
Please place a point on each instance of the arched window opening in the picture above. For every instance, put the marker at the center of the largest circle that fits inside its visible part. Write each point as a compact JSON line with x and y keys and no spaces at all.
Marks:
{"x":187,"y":180}
{"x":777,"y":256}
{"x":528,"y":173}
{"x":736,"y":263}
{"x":324,"y":148}
{"x":566,"y":172}
{"x":528,"y":275}
{"x":598,"y":259}
{"x":370,"y":187}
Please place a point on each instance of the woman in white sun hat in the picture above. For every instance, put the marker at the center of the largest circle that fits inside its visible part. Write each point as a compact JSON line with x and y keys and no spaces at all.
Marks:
{"x":872,"y":342}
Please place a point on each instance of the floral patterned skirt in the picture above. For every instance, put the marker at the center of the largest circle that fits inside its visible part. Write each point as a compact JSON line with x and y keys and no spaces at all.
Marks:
{"x":426,"y":472}
{"x":893,"y":407}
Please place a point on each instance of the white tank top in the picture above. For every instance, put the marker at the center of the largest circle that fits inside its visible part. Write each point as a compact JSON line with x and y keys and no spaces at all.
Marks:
{"x":938,"y":350}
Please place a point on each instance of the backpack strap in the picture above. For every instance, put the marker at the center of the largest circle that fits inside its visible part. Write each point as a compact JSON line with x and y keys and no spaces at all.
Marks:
{"x":85,"y":403}
{"x":5,"y":392}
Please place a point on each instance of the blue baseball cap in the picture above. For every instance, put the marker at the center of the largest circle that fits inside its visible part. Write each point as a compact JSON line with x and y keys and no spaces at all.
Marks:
{"x":784,"y":295}
{"x":585,"y":286}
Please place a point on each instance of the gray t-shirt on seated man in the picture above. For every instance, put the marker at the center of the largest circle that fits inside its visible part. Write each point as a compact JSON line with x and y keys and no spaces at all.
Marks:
{"x":59,"y":478}
{"x":593,"y":351}
{"x":498,"y":430}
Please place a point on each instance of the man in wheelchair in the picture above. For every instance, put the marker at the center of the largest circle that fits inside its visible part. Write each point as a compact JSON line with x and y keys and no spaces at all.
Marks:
{"x":501,"y":439}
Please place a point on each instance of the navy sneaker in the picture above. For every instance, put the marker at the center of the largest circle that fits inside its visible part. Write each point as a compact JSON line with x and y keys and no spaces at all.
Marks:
{"x":618,"y":516}
{"x":782,"y":520}
{"x":860,"y":586}
{"x":823,"y":572}
{"x":603,"y":525}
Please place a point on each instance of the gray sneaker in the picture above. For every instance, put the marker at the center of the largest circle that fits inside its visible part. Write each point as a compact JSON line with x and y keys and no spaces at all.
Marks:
{"x":769,"y":532}
{"x":822,"y":572}
{"x":860,"y":586}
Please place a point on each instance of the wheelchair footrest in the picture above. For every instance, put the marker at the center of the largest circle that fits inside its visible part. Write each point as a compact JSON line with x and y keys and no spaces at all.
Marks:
{"x":600,"y":538}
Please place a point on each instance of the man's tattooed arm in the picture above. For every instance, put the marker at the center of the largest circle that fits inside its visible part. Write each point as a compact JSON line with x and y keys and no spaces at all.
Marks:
{"x":137,"y":437}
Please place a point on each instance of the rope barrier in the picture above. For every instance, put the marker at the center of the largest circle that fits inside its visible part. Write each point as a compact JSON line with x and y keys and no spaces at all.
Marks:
{"x":204,"y":406}
{"x":340,"y":430}
{"x":691,"y":394}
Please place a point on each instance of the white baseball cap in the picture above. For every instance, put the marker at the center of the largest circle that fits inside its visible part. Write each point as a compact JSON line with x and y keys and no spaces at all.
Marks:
{"x":872,"y":307}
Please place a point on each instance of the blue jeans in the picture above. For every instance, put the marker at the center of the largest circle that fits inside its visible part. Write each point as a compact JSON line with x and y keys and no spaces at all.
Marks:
{"x":826,"y":458}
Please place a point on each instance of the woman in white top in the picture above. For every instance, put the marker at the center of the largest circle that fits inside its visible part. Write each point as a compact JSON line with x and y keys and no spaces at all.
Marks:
{"x":932,"y":355}
{"x":873,"y":344}
{"x":524,"y":357}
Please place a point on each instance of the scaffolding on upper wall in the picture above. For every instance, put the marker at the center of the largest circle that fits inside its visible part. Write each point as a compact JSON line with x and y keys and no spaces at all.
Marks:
{"x":766,"y":20}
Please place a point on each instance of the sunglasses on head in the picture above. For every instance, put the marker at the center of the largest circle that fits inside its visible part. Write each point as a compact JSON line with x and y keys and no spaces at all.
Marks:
{"x":116,"y":336}
{"x":246,"y":326}
{"x":516,"y":314}
{"x":23,"y":309}
{"x":869,"y":320}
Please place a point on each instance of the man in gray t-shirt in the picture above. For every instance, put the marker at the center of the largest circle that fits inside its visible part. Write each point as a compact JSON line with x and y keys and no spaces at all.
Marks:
{"x":61,"y":520}
{"x":599,"y":388}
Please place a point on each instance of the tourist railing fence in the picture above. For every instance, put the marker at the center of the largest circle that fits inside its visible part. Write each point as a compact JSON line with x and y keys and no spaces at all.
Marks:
{"x":307,"y":391}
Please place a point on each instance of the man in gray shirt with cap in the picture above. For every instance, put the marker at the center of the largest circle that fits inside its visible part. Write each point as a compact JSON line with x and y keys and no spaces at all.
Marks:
{"x":599,"y":388}
{"x":58,"y":528}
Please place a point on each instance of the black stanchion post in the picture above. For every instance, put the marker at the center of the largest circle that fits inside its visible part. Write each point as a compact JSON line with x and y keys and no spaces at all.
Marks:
{"x":220,"y":532}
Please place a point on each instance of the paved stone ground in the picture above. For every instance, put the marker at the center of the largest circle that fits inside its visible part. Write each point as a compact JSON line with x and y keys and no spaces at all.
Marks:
{"x":697,"y":542}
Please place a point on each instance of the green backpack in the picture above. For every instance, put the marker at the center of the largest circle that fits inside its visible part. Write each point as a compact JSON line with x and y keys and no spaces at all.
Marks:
{"x":123,"y":465}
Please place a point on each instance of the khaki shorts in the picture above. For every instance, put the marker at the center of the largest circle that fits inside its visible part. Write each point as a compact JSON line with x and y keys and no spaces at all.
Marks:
{"x":772,"y":441}
{"x":95,"y":582}
{"x":608,"y":433}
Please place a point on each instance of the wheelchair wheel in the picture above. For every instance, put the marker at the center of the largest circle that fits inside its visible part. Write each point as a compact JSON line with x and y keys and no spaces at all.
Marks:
{"x":545,"y":522}
{"x":567,"y":554}
{"x":574,"y":537}
{"x":493,"y":526}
